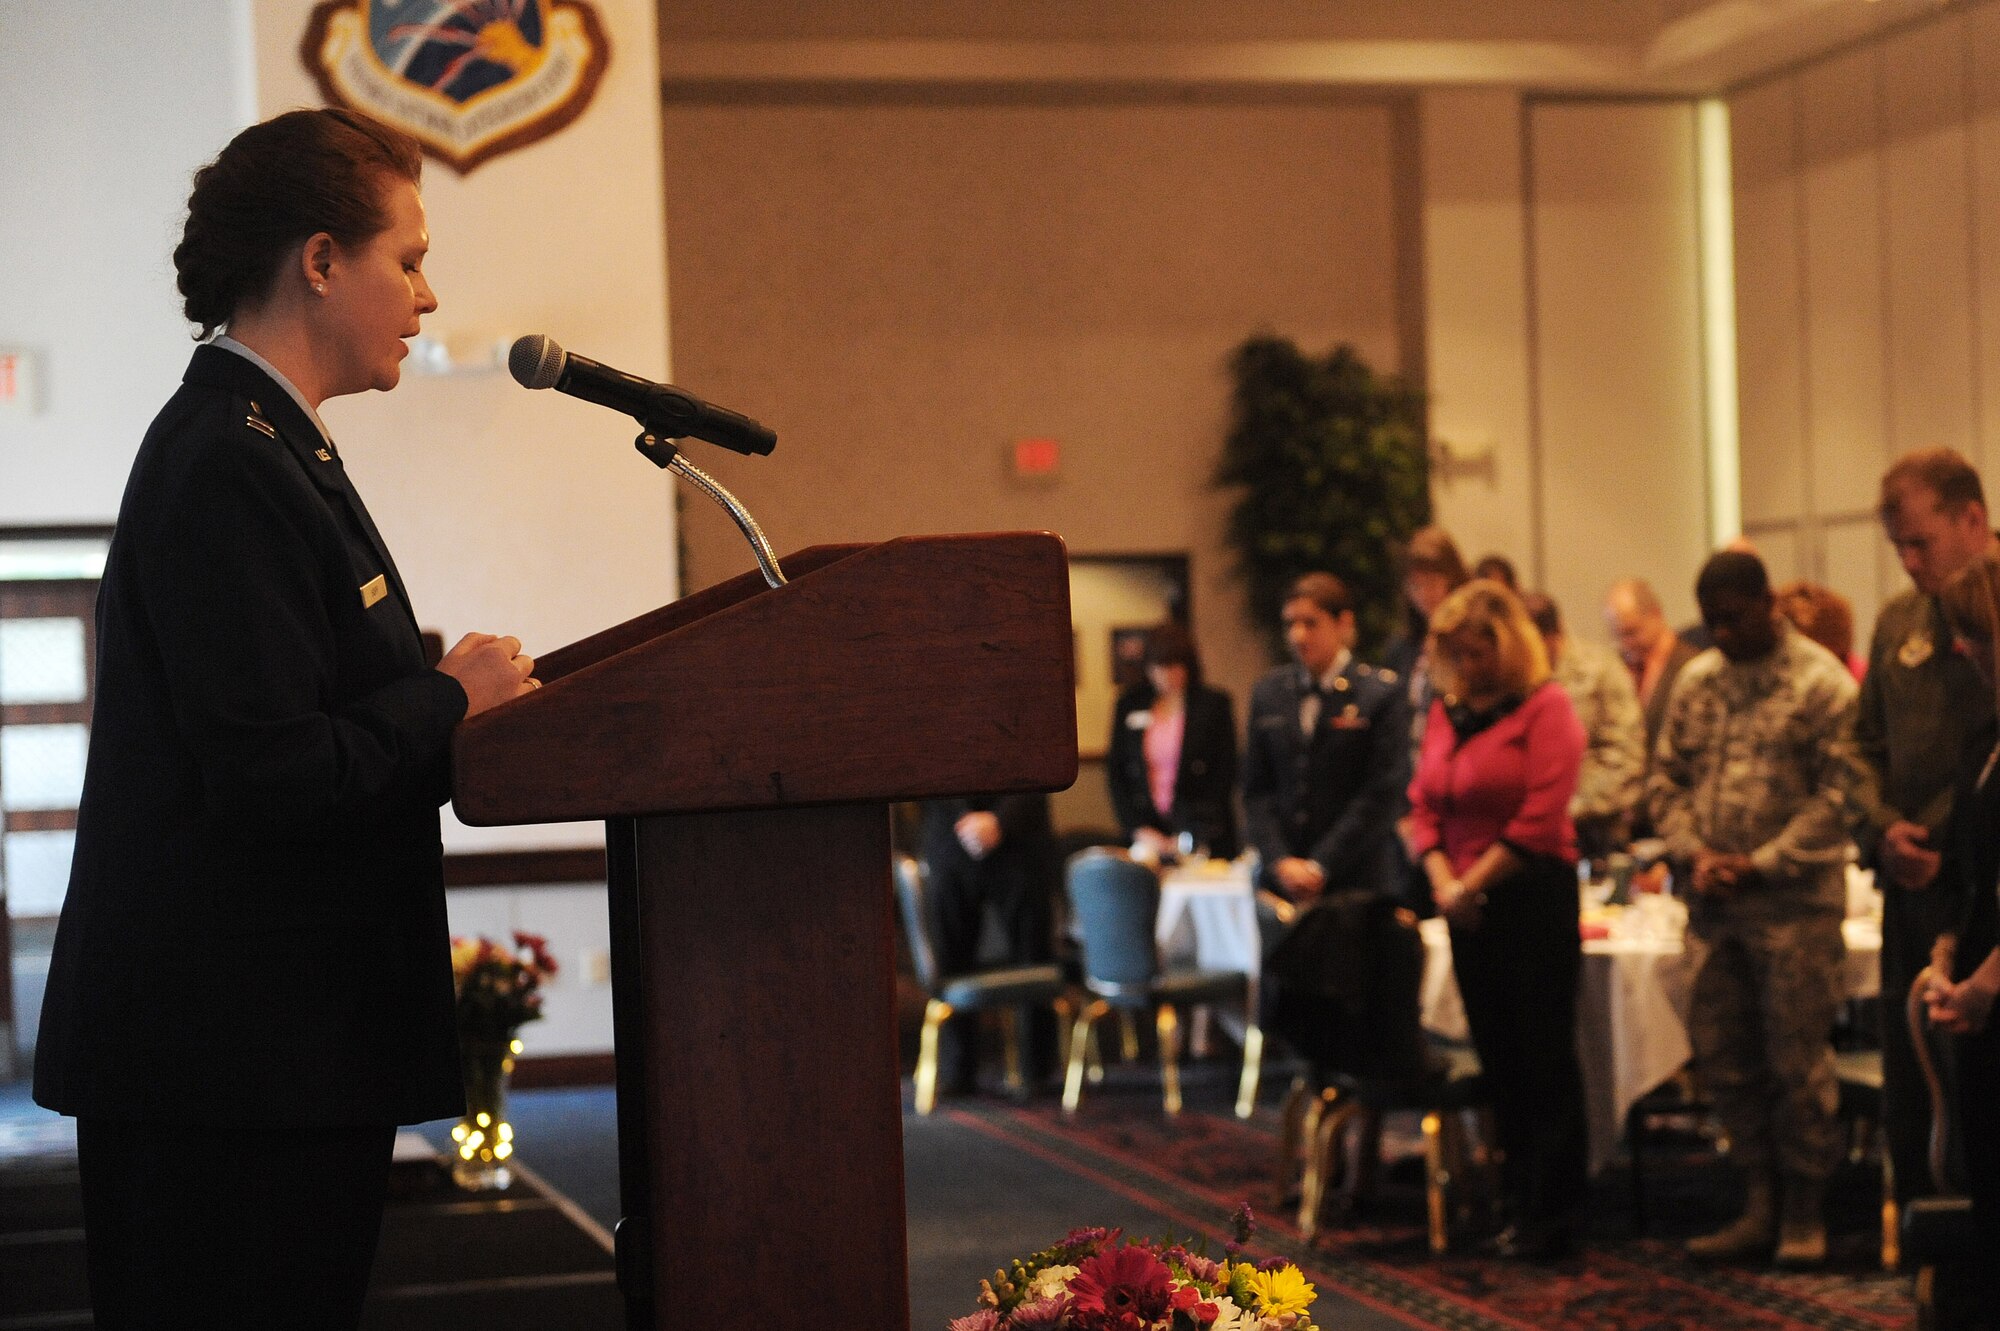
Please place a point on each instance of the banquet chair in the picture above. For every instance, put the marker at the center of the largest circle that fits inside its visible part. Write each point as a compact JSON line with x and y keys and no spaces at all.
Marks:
{"x":1356,"y":1018}
{"x":1936,"y":1232}
{"x":1005,"y":989}
{"x":1336,"y":1130}
{"x":1114,"y":904}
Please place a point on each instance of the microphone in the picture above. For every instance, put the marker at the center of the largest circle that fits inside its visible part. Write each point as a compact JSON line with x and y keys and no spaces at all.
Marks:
{"x":535,"y":361}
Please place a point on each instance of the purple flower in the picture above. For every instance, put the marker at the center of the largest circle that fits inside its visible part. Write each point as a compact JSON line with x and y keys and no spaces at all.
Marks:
{"x":984,"y":1320}
{"x":1041,"y":1315}
{"x":1201,"y":1268}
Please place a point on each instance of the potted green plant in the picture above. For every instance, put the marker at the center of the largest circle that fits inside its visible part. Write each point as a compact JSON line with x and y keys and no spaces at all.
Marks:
{"x":1333,"y":471}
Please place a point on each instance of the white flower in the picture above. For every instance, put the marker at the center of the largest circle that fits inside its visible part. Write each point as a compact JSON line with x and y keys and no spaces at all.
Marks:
{"x":1051,"y":1281}
{"x":1230,"y":1317}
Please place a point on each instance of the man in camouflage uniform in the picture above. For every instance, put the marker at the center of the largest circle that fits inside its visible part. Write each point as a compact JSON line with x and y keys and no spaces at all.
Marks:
{"x":1750,"y":789}
{"x":1613,"y":777}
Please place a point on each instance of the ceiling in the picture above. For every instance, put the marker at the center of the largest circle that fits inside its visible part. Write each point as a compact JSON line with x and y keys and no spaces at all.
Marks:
{"x":1631,"y":46}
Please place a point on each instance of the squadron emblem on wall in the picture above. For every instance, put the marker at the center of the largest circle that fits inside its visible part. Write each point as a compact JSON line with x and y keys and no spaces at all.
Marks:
{"x":469,"y":79}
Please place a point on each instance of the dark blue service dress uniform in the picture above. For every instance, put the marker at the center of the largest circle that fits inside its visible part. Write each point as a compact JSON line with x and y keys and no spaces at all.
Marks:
{"x":253,"y":957}
{"x":1331,"y":796}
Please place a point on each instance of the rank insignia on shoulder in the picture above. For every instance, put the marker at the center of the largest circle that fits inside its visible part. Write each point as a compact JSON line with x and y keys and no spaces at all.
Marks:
{"x":260,"y":425}
{"x":374,"y":590}
{"x":1916,"y":650}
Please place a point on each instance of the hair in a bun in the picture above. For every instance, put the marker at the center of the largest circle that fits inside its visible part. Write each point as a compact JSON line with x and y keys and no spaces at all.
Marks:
{"x":274,"y":185}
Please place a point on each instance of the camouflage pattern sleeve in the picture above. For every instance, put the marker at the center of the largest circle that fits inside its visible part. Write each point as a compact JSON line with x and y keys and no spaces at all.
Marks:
{"x":1822,"y":740}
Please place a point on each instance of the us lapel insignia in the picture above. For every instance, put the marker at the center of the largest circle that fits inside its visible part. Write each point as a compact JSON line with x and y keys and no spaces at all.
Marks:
{"x":1916,"y":650}
{"x":322,"y":455}
{"x":374,"y":590}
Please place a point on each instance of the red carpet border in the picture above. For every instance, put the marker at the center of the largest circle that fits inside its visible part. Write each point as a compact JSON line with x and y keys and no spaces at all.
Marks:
{"x":1193,"y":1171}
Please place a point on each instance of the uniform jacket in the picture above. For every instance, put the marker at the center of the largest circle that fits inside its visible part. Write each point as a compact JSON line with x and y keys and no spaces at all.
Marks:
{"x":1757,"y":758}
{"x":1204,"y":783}
{"x":255,"y":927}
{"x":1613,"y":777}
{"x":1918,"y":699}
{"x":1333,"y":796}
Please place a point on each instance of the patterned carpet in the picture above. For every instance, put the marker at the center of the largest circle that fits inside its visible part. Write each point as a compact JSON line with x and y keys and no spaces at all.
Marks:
{"x":1193,"y":1171}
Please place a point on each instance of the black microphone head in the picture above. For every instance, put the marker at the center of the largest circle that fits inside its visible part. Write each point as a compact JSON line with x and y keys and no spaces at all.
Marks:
{"x":536,"y":361}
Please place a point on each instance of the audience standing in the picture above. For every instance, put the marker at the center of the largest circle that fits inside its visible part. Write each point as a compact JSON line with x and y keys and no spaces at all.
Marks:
{"x":1651,"y":650}
{"x":1490,"y":826}
{"x":1327,"y":756}
{"x":1825,"y":616}
{"x":1613,"y":777}
{"x":1171,"y":761}
{"x":1918,"y":701}
{"x":1749,"y":789}
{"x":1498,"y":568}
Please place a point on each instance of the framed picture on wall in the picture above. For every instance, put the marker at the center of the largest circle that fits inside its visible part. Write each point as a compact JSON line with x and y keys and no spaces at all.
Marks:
{"x":1128,"y":655}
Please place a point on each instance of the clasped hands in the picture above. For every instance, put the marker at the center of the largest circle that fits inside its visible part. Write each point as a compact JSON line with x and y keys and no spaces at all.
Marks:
{"x":491,"y":670}
{"x":1906,"y":856}
{"x":1720,"y":875}
{"x":1962,"y":1008}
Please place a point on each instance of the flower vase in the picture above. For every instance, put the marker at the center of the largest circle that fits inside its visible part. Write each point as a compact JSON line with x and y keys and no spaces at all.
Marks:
{"x":484,"y":1138}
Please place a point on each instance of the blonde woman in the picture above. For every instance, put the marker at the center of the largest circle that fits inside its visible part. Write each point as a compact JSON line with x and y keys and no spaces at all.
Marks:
{"x":1490,"y":825}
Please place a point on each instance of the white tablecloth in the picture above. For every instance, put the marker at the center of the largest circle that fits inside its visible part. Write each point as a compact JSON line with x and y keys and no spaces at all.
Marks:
{"x":1208,"y":915}
{"x":1631,"y":1014}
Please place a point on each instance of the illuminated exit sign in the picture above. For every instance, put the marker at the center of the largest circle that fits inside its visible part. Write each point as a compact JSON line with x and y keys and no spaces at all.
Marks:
{"x":19,"y":370}
{"x":1037,"y":459}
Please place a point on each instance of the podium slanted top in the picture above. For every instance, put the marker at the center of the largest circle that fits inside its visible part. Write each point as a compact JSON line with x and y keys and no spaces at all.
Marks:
{"x":916,"y":668}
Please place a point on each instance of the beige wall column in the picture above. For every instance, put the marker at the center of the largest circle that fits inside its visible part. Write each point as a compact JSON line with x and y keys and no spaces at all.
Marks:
{"x":1477,"y":321}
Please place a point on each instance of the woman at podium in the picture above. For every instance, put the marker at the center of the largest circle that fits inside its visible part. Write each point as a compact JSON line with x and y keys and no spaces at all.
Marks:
{"x":251,"y":984}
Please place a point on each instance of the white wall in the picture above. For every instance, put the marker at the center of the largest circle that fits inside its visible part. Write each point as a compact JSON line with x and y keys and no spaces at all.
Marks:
{"x":1868,"y":287}
{"x":508,"y":512}
{"x":1563,"y":315}
{"x":106,"y":109}
{"x":1617,"y":338}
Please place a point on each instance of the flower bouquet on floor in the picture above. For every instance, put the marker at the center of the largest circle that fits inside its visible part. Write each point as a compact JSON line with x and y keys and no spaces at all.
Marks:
{"x":499,"y":991}
{"x":1093,"y":1281}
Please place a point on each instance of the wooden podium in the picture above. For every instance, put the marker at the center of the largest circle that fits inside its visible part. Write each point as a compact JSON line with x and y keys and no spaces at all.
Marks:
{"x":742,"y":746}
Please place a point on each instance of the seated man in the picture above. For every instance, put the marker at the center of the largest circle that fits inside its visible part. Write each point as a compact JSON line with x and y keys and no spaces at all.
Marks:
{"x":998,"y":854}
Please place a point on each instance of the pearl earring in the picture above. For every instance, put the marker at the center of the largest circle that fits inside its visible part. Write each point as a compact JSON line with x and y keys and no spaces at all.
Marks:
{"x":319,"y":288}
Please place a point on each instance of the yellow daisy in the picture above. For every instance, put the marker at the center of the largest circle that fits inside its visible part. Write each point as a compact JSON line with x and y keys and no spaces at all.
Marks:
{"x":1285,"y":1290}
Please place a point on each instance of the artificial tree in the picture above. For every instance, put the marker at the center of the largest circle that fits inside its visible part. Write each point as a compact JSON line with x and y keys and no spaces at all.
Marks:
{"x":1331,"y":462}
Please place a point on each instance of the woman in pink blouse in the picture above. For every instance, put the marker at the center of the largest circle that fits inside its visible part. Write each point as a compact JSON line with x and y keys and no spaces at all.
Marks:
{"x":1489,"y":823}
{"x":1171,"y":762}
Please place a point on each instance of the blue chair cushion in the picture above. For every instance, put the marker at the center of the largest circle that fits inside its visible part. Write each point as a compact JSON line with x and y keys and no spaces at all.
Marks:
{"x":997,"y":988}
{"x":1189,"y":986}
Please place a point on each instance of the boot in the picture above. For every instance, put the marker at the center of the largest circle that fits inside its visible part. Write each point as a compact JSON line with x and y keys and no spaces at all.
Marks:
{"x":1749,"y":1235}
{"x":1802,"y":1230}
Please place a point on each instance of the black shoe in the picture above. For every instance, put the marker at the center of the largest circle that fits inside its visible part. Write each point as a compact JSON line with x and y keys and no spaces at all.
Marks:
{"x":1531,"y":1243}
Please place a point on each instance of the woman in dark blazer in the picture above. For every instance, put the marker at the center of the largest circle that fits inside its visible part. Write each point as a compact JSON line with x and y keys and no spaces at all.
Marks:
{"x":1171,"y":762}
{"x":251,"y":984}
